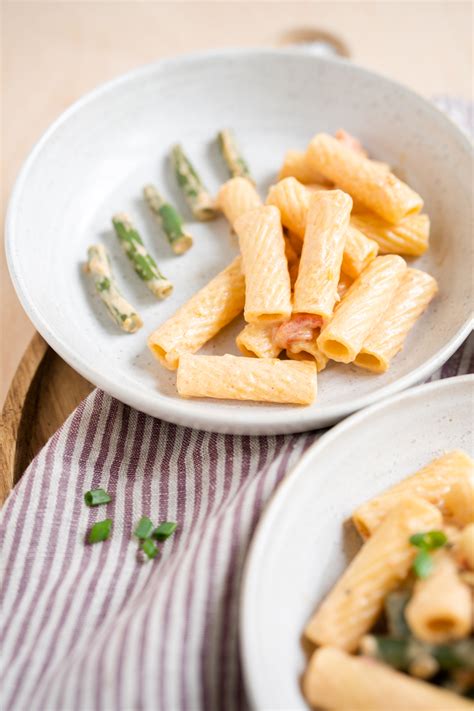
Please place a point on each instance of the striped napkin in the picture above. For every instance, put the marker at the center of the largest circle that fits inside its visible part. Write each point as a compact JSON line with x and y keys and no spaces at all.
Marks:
{"x":91,"y":627}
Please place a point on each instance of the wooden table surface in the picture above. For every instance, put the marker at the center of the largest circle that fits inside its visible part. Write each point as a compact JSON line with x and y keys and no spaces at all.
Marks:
{"x":54,"y":52}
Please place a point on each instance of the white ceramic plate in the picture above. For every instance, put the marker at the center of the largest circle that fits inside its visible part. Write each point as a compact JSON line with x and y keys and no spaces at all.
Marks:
{"x":301,"y":548}
{"x":96,"y":158}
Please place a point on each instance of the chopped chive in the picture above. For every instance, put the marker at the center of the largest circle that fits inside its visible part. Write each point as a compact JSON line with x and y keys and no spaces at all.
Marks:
{"x":423,"y":564}
{"x":95,"y":497}
{"x":144,"y":528}
{"x":100,"y":531}
{"x":164,"y":530}
{"x":429,"y":541}
{"x":149,"y":548}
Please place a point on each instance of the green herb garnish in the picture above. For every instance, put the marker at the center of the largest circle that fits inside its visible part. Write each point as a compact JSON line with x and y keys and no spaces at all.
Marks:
{"x":164,"y":530}
{"x":426,"y":542}
{"x":100,"y":531}
{"x":149,"y":548}
{"x":144,"y":528}
{"x":95,"y":497}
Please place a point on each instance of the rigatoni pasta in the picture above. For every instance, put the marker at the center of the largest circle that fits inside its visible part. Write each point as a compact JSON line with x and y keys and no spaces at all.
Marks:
{"x":414,"y":293}
{"x":380,"y":190}
{"x":200,"y":318}
{"x":234,"y":378}
{"x":360,"y":309}
{"x":296,"y":166}
{"x":409,"y":237}
{"x":257,"y":340}
{"x":236,"y":197}
{"x":353,"y":605}
{"x":267,"y":281}
{"x":315,"y":289}
{"x":433,"y":482}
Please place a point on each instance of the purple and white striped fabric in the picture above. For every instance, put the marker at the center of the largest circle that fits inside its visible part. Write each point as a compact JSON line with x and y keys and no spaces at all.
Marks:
{"x":88,"y":627}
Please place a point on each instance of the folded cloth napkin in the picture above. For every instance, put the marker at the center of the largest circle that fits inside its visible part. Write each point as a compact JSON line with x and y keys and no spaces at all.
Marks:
{"x":91,"y":627}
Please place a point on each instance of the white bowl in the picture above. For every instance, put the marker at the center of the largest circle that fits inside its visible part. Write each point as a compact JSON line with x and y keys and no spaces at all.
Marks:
{"x":97,"y":156}
{"x":301,"y":546}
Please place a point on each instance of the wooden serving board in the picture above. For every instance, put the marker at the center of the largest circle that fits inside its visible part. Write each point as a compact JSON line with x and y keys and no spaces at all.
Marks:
{"x":43,"y":393}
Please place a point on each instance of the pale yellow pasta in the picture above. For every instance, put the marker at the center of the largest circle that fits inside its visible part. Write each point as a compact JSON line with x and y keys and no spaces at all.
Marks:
{"x":302,"y":350}
{"x":344,"y":283}
{"x":353,"y":605}
{"x":465,"y":546}
{"x":386,"y":339}
{"x":409,"y":237}
{"x":459,"y":501}
{"x":380,"y":190}
{"x":267,"y":281}
{"x":255,"y":340}
{"x":292,"y":256}
{"x":296,"y":166}
{"x":236,"y":197}
{"x":320,"y":264}
{"x":293,"y":199}
{"x":440,"y":608}
{"x":366,"y":300}
{"x":359,"y":251}
{"x":236,"y":378}
{"x":200,"y":318}
{"x":433,"y":482}
{"x":342,"y":682}
{"x":295,"y":241}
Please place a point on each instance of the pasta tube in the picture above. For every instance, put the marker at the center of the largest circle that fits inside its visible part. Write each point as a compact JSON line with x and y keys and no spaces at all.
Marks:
{"x":236,"y":378}
{"x":355,"y":602}
{"x":236,"y":197}
{"x":336,"y":680}
{"x":380,"y":190}
{"x":413,"y":295}
{"x":256,"y":340}
{"x":302,"y":350}
{"x":320,"y":264}
{"x":432,"y":482}
{"x":440,"y":608}
{"x":465,"y":546}
{"x":359,"y":251}
{"x":409,"y":237}
{"x":361,"y":308}
{"x":459,"y":501}
{"x":296,"y":166}
{"x":267,"y":281}
{"x":293,"y":200}
{"x":200,"y":318}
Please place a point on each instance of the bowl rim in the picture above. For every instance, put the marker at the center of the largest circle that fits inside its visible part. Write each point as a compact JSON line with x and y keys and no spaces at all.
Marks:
{"x":277,"y":502}
{"x":188,"y":412}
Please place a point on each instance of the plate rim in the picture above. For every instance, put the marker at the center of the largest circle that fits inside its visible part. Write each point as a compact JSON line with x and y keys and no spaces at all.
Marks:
{"x":187,"y":412}
{"x":272,"y":509}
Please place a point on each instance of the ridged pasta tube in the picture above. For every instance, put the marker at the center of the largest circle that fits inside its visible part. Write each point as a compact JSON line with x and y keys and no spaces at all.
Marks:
{"x":409,"y":237}
{"x":413,"y":295}
{"x":200,"y":318}
{"x":361,"y":308}
{"x":432,"y":483}
{"x":459,"y":501}
{"x":236,"y":197}
{"x":380,"y":190}
{"x":465,"y":546}
{"x":267,"y":281}
{"x":339,"y":681}
{"x":236,"y":378}
{"x":355,"y":602}
{"x":440,"y":608}
{"x":293,"y":200}
{"x":296,"y":166}
{"x":255,"y":340}
{"x":302,"y":350}
{"x":321,"y":258}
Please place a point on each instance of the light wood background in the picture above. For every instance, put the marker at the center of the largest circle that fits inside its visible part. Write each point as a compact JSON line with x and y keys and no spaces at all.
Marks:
{"x":53,"y":52}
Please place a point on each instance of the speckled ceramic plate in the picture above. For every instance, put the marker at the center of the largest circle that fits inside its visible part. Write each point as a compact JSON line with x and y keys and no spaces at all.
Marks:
{"x":95,"y":159}
{"x":301,"y":545}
